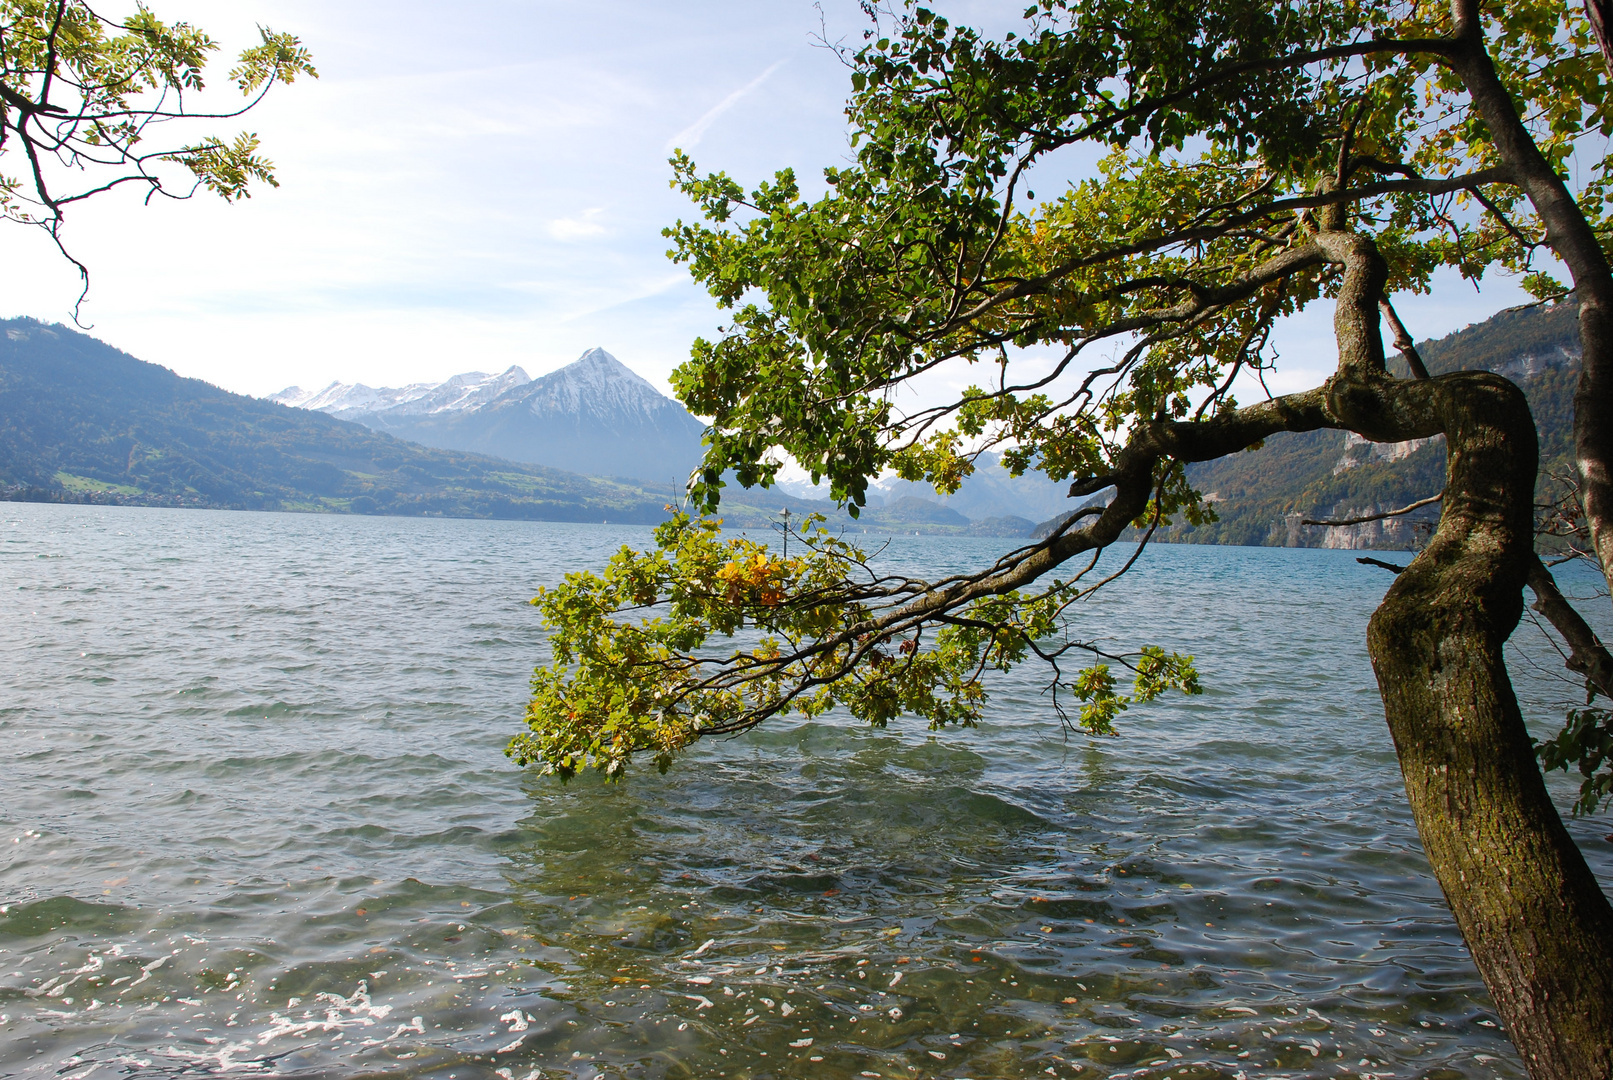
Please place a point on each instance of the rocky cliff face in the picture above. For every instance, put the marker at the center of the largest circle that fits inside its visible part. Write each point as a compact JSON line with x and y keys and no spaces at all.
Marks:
{"x":1387,"y":534}
{"x":1358,"y":451}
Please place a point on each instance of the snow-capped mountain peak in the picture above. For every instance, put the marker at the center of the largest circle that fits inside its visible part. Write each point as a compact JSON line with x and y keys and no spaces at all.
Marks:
{"x":594,"y":416}
{"x":596,"y":383}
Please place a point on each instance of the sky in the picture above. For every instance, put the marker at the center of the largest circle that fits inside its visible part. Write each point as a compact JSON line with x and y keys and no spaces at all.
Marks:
{"x":482,"y":184}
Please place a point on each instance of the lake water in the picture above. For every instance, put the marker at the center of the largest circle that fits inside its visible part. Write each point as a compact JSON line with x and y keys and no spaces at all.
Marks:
{"x":257,"y":821}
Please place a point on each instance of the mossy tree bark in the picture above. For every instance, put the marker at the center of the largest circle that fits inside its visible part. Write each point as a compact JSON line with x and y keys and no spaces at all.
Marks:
{"x":1539,"y":928}
{"x":1537,"y":923}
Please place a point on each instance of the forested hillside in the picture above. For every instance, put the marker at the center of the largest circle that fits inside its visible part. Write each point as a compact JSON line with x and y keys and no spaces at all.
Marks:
{"x":1262,"y":495}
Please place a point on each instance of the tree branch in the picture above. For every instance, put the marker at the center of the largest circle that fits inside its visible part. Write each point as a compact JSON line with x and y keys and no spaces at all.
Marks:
{"x":1196,"y":233}
{"x":1418,"y":505}
{"x":1587,"y":655}
{"x":1403,"y":341}
{"x":1376,"y":46}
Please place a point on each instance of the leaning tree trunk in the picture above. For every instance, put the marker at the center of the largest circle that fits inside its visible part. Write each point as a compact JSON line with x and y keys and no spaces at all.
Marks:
{"x":1536,"y":921}
{"x":1539,"y":928}
{"x":1534,"y":918}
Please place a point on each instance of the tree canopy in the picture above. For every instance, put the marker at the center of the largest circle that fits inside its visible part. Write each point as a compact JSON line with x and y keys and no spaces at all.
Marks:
{"x":1253,"y":159}
{"x":84,"y":97}
{"x":1230,"y":136}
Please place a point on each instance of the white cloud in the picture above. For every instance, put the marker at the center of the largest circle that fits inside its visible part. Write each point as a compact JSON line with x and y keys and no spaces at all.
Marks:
{"x":446,"y":194}
{"x":690,"y":136}
{"x":617,"y":300}
{"x":483,"y":191}
{"x":578,"y":225}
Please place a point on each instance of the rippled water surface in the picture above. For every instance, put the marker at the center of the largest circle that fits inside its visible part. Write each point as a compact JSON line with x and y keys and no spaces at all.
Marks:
{"x":257,"y":820}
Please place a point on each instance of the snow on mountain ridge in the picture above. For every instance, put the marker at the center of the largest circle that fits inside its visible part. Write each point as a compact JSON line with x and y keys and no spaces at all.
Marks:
{"x":594,"y":416}
{"x":596,"y":383}
{"x":468,"y":390}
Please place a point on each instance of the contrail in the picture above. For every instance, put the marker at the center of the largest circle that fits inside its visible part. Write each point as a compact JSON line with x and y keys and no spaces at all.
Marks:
{"x":691,"y":135}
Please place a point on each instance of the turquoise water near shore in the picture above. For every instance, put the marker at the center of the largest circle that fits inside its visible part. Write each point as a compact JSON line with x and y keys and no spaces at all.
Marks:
{"x":255,"y":819}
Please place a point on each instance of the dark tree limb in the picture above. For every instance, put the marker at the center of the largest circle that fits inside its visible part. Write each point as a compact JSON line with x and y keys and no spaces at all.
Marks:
{"x":1322,"y":201}
{"x":1574,"y":241}
{"x":1587,"y":655}
{"x":1600,"y":13}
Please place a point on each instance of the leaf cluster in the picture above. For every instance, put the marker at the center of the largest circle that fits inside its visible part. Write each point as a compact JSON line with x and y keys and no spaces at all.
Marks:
{"x":82,"y":96}
{"x":1231,"y":131}
{"x":712,"y":634}
{"x":1586,"y":743}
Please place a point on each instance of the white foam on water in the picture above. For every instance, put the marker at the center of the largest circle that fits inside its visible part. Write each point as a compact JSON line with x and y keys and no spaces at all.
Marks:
{"x":358,"y":1009}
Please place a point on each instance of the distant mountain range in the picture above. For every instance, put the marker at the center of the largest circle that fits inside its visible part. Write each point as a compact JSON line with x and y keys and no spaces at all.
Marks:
{"x":349,"y":401}
{"x":990,"y":493}
{"x":597,"y":417}
{"x":81,"y":421}
{"x":593,"y":416}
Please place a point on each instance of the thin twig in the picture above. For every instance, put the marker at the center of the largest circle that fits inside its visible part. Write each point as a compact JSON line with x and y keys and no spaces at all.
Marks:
{"x":1418,"y":505}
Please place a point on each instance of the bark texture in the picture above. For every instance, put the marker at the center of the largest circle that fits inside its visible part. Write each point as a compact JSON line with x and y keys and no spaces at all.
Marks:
{"x":1532,"y":913}
{"x":1538,"y":926}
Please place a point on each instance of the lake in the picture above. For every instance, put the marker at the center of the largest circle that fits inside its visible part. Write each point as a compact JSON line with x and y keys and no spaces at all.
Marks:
{"x":257,"y":820}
